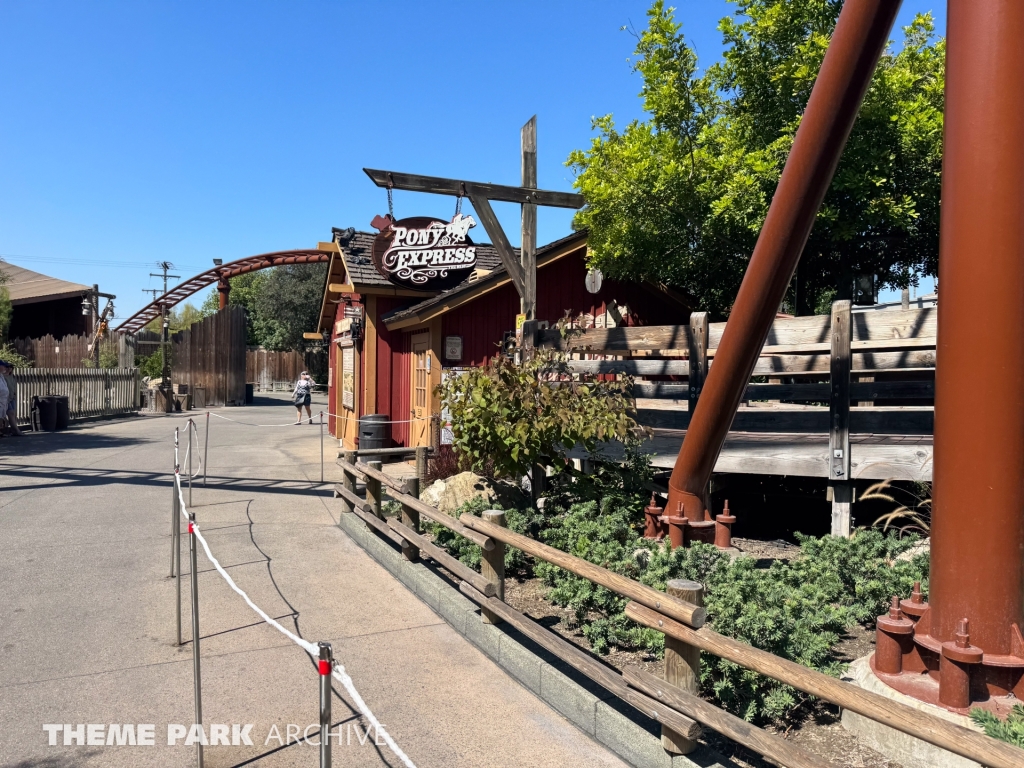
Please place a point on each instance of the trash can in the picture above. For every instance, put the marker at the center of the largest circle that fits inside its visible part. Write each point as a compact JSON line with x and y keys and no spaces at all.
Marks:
{"x":63,"y":411}
{"x":249,"y":396}
{"x":374,"y":431}
{"x":47,"y":407}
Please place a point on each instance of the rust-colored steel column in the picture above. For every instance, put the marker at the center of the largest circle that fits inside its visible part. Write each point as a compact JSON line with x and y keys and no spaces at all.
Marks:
{"x":224,"y":289}
{"x":857,"y":42}
{"x":978,"y":499}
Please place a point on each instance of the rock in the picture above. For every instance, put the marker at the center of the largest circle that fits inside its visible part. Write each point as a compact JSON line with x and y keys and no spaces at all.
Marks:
{"x":452,"y":492}
{"x":922,"y":547}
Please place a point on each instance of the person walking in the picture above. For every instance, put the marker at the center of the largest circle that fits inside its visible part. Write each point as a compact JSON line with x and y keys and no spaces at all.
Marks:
{"x":302,"y":396}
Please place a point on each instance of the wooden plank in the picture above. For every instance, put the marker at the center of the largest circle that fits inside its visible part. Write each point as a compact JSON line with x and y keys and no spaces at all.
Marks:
{"x":622,"y":338}
{"x":811,"y":392}
{"x":351,"y":499}
{"x":582,"y":662}
{"x":452,"y":565}
{"x":860,"y":346}
{"x":922,"y":725}
{"x":874,"y":325}
{"x":377,"y":524}
{"x":839,"y":420}
{"x":882,"y":420}
{"x":694,"y":615}
{"x":440,"y":186}
{"x":698,"y":356}
{"x":729,"y":725}
{"x":439,"y":517}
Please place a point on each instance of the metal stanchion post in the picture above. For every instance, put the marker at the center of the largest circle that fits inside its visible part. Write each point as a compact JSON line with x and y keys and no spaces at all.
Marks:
{"x":321,"y":446}
{"x":174,"y":505}
{"x":195,"y":630}
{"x":206,"y":449}
{"x":177,"y":539}
{"x":191,"y":428}
{"x":326,"y":666}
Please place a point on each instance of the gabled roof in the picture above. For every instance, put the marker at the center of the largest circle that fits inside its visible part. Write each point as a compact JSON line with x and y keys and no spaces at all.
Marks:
{"x":485,"y":283}
{"x":28,"y":287}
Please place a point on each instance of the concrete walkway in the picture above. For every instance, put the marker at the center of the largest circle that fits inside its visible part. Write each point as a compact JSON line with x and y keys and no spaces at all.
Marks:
{"x":87,"y":626}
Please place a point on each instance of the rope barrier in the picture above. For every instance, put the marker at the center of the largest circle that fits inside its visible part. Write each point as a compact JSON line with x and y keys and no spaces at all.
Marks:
{"x":313,"y":650}
{"x":325,"y":413}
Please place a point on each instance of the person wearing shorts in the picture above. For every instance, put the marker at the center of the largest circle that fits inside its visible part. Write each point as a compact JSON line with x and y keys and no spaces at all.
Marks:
{"x":302,"y":396}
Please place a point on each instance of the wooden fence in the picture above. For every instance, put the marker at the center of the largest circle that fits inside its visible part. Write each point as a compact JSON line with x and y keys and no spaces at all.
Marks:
{"x":91,"y":392}
{"x":209,"y":359}
{"x":272,"y":370}
{"x":670,"y":699}
{"x":74,"y":351}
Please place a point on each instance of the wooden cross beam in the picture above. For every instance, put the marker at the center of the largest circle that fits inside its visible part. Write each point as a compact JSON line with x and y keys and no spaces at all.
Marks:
{"x":523,"y":273}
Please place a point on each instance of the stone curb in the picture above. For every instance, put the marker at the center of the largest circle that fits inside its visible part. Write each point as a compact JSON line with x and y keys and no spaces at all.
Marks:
{"x":618,"y":726}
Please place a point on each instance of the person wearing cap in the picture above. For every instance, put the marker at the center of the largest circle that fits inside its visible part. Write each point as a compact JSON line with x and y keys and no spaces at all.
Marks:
{"x":9,"y":397}
{"x":302,"y":396}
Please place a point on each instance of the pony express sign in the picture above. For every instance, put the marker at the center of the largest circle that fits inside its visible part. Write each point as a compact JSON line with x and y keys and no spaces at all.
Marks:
{"x":424,"y":253}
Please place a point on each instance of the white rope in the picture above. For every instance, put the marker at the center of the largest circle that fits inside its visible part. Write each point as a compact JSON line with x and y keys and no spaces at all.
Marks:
{"x":325,"y":413}
{"x":338,"y":671}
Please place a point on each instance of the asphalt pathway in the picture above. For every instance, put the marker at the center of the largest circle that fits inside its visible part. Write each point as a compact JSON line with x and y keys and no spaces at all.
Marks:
{"x":87,"y":622}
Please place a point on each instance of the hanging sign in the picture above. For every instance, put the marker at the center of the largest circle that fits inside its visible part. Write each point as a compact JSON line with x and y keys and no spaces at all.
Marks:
{"x":424,"y":253}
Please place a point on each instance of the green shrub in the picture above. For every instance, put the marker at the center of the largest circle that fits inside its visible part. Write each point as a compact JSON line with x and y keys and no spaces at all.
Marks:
{"x":467,"y":552}
{"x":1010,"y":730}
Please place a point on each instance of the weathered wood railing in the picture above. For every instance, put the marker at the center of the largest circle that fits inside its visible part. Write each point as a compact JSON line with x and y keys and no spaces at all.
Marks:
{"x":680,"y":711}
{"x":91,"y":392}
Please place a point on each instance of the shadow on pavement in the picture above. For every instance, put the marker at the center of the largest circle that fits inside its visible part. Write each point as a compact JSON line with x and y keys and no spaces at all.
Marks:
{"x":33,"y":443}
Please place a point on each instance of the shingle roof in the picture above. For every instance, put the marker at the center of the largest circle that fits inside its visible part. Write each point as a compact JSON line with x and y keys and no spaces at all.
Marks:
{"x":498,"y":272}
{"x":26,"y":286}
{"x":360,"y":264}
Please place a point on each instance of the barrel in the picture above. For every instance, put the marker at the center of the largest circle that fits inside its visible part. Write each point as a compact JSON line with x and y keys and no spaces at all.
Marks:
{"x":47,"y":413}
{"x":63,"y":411}
{"x":374,"y":431}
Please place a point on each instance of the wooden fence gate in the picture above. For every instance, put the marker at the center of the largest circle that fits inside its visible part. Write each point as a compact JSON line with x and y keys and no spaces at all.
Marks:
{"x":209,"y":358}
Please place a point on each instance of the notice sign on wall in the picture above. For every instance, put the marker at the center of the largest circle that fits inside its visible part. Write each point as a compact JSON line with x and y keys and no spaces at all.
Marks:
{"x":426,"y":254}
{"x":348,"y":377}
{"x":453,"y":348}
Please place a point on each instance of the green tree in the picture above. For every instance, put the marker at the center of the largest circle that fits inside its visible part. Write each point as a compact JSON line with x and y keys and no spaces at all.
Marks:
{"x":6,"y":308}
{"x":281,"y":304}
{"x":178,"y":318}
{"x":681,"y":197}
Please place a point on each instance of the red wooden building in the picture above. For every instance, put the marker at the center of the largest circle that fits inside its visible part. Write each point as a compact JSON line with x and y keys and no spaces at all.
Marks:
{"x":390,"y":345}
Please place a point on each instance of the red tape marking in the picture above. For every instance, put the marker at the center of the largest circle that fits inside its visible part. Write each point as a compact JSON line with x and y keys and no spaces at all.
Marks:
{"x":325,"y":667}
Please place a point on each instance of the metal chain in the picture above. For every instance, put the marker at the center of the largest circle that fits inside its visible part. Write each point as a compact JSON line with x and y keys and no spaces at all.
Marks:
{"x":458,"y":206}
{"x":391,"y":204}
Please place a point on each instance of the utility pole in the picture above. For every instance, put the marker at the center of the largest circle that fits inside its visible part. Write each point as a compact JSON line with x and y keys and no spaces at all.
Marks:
{"x":165,"y":373}
{"x":96,"y":325}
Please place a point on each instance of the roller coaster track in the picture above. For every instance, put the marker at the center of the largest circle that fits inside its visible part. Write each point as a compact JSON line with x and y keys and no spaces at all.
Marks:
{"x":220,"y":274}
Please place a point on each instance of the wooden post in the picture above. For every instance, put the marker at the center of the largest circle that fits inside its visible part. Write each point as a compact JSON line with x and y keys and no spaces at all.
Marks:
{"x":492,"y":565}
{"x":348,"y":482}
{"x":373,"y":490}
{"x":698,"y":356}
{"x":528,"y":251}
{"x":682,"y":665}
{"x":839,"y":420}
{"x":411,"y":518}
{"x":421,"y":468}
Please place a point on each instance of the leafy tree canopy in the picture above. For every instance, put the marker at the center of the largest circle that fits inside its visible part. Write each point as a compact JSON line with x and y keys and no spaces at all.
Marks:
{"x":178,"y":318}
{"x":280,"y":303}
{"x":681,"y":197}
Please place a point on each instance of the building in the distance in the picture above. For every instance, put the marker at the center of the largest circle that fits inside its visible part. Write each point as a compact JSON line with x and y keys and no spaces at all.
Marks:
{"x":390,"y":344}
{"x":45,"y":305}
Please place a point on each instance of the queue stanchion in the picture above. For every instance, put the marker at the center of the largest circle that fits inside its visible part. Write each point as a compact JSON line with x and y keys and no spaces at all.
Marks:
{"x":190,"y":428}
{"x":174,"y":511}
{"x":206,"y":449}
{"x":177,"y":540}
{"x":321,"y":446}
{"x":326,"y":667}
{"x":195,"y":632}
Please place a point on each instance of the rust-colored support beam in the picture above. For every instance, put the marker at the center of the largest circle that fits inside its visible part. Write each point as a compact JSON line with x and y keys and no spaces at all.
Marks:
{"x":857,"y":42}
{"x":224,"y":289}
{"x":978,"y":514}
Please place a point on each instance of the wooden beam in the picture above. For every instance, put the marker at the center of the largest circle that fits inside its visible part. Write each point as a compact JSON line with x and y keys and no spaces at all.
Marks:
{"x":340,"y":288}
{"x":499,"y":241}
{"x":839,"y":418}
{"x":413,"y":182}
{"x":528,"y":250}
{"x":698,"y":356}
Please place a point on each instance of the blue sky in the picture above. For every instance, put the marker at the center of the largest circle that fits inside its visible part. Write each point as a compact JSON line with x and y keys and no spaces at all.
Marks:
{"x":184,"y":131}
